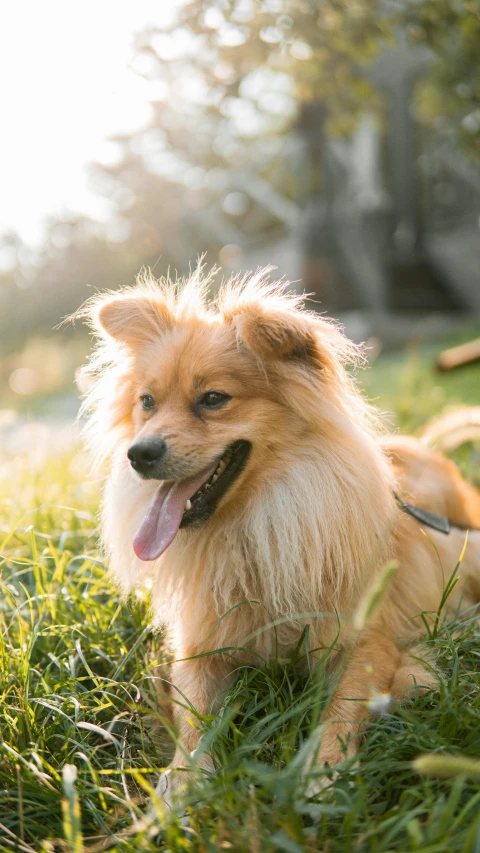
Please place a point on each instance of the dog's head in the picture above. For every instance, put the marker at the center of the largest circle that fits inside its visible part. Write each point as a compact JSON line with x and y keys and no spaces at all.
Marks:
{"x":213,"y":400}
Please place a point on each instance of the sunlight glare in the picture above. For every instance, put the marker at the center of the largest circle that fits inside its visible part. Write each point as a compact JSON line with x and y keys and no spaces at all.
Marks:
{"x":67,"y":84}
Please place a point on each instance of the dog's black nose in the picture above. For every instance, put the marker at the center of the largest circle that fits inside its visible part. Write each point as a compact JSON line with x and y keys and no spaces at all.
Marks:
{"x":145,"y":454}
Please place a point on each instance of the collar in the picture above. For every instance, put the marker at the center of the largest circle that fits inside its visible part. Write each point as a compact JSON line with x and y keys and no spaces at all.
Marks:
{"x":431,"y":519}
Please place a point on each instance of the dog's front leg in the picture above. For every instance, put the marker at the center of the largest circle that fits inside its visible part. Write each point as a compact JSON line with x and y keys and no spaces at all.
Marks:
{"x":366,"y":684}
{"x":196,"y":683}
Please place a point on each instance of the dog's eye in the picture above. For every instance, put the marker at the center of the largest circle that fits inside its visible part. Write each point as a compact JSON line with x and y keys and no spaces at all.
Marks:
{"x":213,"y":399}
{"x":147,"y":401}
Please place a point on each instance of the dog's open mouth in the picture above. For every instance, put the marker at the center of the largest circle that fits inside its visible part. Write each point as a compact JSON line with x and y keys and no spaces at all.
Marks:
{"x":181,"y":503}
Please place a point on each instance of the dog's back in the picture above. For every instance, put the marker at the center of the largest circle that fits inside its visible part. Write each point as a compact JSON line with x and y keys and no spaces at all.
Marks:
{"x":427,"y":478}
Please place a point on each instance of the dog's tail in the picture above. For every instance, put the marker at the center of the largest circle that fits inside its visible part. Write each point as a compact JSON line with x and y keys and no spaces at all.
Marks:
{"x":452,"y":428}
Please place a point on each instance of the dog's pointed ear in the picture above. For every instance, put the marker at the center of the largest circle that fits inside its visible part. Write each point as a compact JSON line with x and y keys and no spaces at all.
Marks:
{"x":133,"y":320}
{"x":273,"y":333}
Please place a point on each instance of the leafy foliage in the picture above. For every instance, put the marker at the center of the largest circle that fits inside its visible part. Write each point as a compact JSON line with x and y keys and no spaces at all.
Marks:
{"x":236,"y":85}
{"x":451,"y":91}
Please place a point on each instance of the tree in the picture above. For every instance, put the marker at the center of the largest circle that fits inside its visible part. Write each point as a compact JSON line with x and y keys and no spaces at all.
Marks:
{"x":450,"y":96}
{"x":243,"y":85}
{"x":244,"y":92}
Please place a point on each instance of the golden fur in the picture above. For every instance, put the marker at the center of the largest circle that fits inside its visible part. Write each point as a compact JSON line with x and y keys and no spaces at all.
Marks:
{"x":312,"y":519}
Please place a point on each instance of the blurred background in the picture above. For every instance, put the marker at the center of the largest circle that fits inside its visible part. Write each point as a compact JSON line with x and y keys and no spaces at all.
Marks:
{"x":338,"y":140}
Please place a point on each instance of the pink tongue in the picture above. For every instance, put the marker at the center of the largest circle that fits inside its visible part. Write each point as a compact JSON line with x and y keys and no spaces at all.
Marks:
{"x":164,"y":515}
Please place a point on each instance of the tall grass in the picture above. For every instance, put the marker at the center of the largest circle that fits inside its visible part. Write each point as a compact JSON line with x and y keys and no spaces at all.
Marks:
{"x":83,"y":737}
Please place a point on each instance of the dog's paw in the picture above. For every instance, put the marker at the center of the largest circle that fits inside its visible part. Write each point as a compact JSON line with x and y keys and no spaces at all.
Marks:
{"x":170,"y":785}
{"x":327,"y":759}
{"x":321,"y":781}
{"x":175,"y":783}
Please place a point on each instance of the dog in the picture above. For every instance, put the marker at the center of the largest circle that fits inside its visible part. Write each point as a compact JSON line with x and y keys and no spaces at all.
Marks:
{"x":250,"y":483}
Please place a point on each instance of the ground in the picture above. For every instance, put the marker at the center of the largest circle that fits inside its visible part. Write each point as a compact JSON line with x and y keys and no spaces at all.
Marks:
{"x":83,"y":739}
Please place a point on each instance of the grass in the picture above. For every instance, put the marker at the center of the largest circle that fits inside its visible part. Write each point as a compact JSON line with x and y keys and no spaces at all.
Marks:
{"x":82,"y":738}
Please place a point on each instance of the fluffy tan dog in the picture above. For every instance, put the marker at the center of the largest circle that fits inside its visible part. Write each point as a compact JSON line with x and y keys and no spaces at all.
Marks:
{"x":246,"y":470}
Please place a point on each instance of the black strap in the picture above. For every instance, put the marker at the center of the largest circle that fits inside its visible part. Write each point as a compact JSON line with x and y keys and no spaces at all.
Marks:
{"x":431,"y":519}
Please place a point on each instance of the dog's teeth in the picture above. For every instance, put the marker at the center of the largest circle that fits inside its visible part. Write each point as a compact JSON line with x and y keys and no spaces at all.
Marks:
{"x":214,"y":478}
{"x":188,"y":504}
{"x":223,"y":463}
